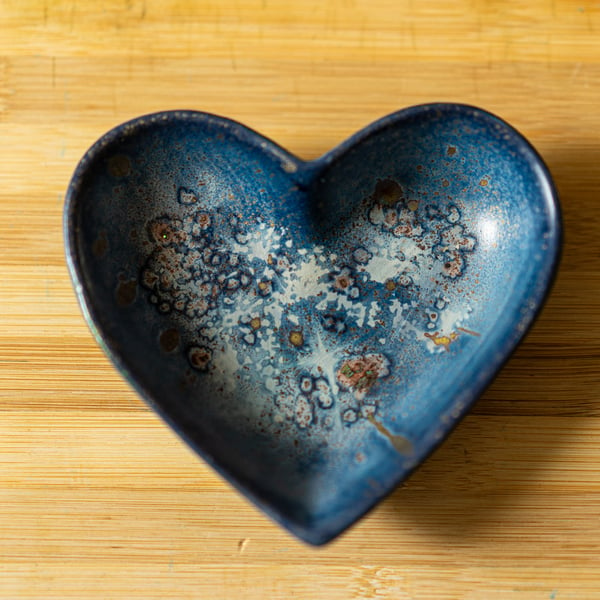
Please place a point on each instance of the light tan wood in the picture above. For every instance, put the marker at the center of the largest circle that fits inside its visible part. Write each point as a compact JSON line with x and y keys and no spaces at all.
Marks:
{"x":98,"y":499}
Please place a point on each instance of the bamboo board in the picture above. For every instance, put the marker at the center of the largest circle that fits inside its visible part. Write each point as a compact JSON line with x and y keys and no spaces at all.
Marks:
{"x":98,"y":499}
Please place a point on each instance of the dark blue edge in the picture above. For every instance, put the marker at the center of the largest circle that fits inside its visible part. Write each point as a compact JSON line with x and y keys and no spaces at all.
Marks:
{"x":305,"y":171}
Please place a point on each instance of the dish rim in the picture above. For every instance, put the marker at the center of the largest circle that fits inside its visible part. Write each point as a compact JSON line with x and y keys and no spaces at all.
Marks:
{"x":303,"y":170}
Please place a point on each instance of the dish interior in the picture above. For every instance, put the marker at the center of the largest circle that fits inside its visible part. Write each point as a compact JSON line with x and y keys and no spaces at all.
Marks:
{"x":313,"y":329}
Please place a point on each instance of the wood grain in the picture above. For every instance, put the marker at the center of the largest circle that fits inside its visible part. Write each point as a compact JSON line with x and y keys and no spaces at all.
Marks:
{"x":97,"y":497}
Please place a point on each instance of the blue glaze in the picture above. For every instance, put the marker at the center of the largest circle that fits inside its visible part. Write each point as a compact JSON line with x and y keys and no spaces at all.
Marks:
{"x":312,"y":329}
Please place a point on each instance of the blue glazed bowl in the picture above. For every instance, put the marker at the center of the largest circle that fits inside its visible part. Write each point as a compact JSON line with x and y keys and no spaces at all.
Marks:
{"x":312,"y":329}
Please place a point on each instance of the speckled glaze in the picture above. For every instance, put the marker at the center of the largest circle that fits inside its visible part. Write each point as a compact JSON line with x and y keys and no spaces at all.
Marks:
{"x":312,"y":329}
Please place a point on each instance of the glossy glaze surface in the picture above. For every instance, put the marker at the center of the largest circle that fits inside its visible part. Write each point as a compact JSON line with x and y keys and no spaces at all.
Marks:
{"x":314,"y":329}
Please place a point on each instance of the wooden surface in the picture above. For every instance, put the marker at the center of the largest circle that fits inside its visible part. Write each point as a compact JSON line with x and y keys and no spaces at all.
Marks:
{"x":98,"y":499}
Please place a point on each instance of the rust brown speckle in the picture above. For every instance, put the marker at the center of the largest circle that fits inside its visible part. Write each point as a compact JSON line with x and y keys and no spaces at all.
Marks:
{"x":483,"y":182}
{"x":469,"y":331}
{"x":451,"y":151}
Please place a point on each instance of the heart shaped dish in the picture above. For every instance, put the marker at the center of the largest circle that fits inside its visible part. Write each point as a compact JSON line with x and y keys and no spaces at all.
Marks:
{"x":312,"y":329}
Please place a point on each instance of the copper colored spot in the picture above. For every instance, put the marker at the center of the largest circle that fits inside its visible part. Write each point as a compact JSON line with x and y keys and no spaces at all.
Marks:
{"x":100,"y":245}
{"x":119,"y":165}
{"x":388,"y":192}
{"x":169,"y":340}
{"x":342,"y":282}
{"x":199,"y":358}
{"x":160,"y":232}
{"x":126,"y":292}
{"x":442,"y":340}
{"x":400,"y":443}
{"x":204,"y":220}
{"x":360,"y":373}
{"x":264,"y":286}
{"x":296,"y":338}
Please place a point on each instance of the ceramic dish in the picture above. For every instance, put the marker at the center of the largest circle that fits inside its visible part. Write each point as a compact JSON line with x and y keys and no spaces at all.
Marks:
{"x":312,"y":329}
